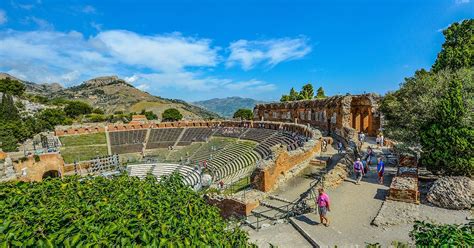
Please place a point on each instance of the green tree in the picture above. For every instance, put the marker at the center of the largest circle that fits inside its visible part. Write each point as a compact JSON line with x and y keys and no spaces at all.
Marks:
{"x":245,"y":114}
{"x":458,"y":49}
{"x":76,"y":108}
{"x":448,"y":144}
{"x":8,"y":110}
{"x":320,"y":93}
{"x":49,"y":118}
{"x":149,"y":114}
{"x":285,"y":98}
{"x":98,"y":111}
{"x":171,"y":114}
{"x":294,"y":95}
{"x":307,"y":92}
{"x":12,"y":87}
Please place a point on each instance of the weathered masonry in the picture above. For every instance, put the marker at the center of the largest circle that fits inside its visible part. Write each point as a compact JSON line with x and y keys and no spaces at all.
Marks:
{"x":343,"y":115}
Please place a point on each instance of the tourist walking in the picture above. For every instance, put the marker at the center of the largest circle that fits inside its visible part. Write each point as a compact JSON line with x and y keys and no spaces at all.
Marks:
{"x":323,"y":207}
{"x":358,"y":170}
{"x":381,"y":140}
{"x":377,"y":140}
{"x":340,"y":147}
{"x":325,"y":145}
{"x":380,"y":170}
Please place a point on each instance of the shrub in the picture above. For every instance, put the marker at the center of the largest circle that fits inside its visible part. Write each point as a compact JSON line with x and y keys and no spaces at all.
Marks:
{"x":76,"y":108}
{"x":172,"y":114}
{"x":123,"y":211}
{"x":430,"y":235}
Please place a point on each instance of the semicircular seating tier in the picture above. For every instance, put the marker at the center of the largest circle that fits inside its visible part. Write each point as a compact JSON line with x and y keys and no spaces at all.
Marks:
{"x":228,"y":153}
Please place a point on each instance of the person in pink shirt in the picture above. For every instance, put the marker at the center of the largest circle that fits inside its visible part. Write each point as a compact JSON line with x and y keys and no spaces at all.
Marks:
{"x":323,"y":206}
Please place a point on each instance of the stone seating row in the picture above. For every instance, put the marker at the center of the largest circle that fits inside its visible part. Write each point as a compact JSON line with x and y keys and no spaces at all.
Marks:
{"x":127,"y":137}
{"x":191,"y":177}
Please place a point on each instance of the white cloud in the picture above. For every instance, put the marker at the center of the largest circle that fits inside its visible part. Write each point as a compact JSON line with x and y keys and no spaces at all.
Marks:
{"x":89,"y":9}
{"x":3,"y":17}
{"x":270,"y":52}
{"x":41,"y":23}
{"x":462,"y":1}
{"x":150,"y":62}
{"x":160,"y":52}
{"x":97,"y":26}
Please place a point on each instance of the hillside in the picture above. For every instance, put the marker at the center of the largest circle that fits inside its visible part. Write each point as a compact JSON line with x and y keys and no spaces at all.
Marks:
{"x":114,"y":94}
{"x":227,"y":106}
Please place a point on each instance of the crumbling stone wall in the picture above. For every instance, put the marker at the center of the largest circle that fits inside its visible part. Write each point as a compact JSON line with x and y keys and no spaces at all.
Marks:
{"x":265,"y":179}
{"x":31,"y":170}
{"x":230,"y":207}
{"x":335,"y":114}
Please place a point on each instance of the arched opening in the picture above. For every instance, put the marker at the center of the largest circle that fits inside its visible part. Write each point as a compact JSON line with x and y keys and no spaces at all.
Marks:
{"x":51,"y":173}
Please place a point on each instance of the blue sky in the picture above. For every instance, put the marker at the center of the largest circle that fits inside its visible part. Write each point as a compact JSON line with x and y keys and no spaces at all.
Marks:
{"x":195,"y":50}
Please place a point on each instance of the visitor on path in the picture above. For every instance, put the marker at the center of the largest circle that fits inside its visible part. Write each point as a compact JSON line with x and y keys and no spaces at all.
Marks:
{"x":325,"y":145}
{"x":323,"y":206}
{"x":340,"y":147}
{"x":362,"y":137}
{"x":370,"y":154}
{"x":381,"y":140}
{"x":358,"y":170}
{"x":380,"y":170}
{"x":377,"y":140}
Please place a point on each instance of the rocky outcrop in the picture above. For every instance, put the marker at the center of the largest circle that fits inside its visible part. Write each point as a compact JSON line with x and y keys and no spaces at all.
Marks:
{"x":451,"y":193}
{"x":102,"y":81}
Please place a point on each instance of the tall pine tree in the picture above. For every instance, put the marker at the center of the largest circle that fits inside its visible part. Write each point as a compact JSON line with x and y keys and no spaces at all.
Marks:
{"x":448,"y":143}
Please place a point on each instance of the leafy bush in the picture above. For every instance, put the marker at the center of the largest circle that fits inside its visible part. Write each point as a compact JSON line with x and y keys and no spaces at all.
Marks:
{"x":123,"y":211}
{"x":430,"y":235}
{"x":245,"y":114}
{"x":76,"y":108}
{"x":171,"y":114}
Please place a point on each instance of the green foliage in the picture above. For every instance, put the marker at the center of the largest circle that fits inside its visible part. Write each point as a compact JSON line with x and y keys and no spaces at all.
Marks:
{"x":171,"y":114}
{"x":122,"y":211}
{"x":76,"y":108}
{"x":430,"y":235}
{"x":12,"y":87}
{"x":49,"y":118}
{"x":409,"y":109}
{"x":307,"y":92}
{"x":448,"y":144}
{"x":98,"y":111}
{"x":458,"y":49}
{"x":8,"y":110}
{"x":245,"y":114}
{"x":320,"y":93}
{"x":95,"y":118}
{"x":37,"y":158}
{"x":149,"y":114}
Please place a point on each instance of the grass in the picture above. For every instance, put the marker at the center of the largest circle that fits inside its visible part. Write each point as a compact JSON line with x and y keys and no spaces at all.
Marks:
{"x":83,"y":140}
{"x":81,"y":153}
{"x":237,"y":186}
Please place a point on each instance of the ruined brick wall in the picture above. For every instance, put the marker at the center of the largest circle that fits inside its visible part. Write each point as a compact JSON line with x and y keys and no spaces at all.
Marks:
{"x":358,"y":112}
{"x":35,"y":170}
{"x":62,"y":131}
{"x":231,"y":207}
{"x":265,"y":179}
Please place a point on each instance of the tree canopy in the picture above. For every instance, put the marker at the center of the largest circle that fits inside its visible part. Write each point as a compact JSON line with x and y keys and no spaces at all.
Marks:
{"x":434,"y":109}
{"x":76,"y":108}
{"x":244,"y":114}
{"x":458,"y":49}
{"x":149,"y":114}
{"x":171,"y":114}
{"x":448,"y":143}
{"x":306,"y":93}
{"x":12,"y":87}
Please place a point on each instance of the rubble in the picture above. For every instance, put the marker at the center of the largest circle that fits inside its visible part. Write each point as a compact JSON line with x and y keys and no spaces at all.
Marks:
{"x":451,"y":193}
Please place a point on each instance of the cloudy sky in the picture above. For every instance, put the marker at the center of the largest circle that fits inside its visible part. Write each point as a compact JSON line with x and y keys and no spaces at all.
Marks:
{"x":196,"y":50}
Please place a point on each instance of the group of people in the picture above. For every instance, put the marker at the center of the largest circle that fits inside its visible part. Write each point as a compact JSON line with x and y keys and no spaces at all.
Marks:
{"x":361,"y":169}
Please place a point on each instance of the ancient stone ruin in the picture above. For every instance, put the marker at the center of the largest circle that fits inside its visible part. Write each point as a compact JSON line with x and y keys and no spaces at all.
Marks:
{"x":344,"y":115}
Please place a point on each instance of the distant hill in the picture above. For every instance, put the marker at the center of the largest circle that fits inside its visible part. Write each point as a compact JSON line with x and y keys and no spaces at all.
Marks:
{"x":112,"y":94}
{"x":226,"y":107}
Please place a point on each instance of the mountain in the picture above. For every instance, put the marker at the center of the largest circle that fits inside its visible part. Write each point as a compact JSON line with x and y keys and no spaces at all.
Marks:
{"x":112,"y":94}
{"x":227,"y":106}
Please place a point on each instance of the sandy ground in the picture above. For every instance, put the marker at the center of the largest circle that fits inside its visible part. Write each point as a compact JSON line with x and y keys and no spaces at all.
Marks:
{"x":353,"y":209}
